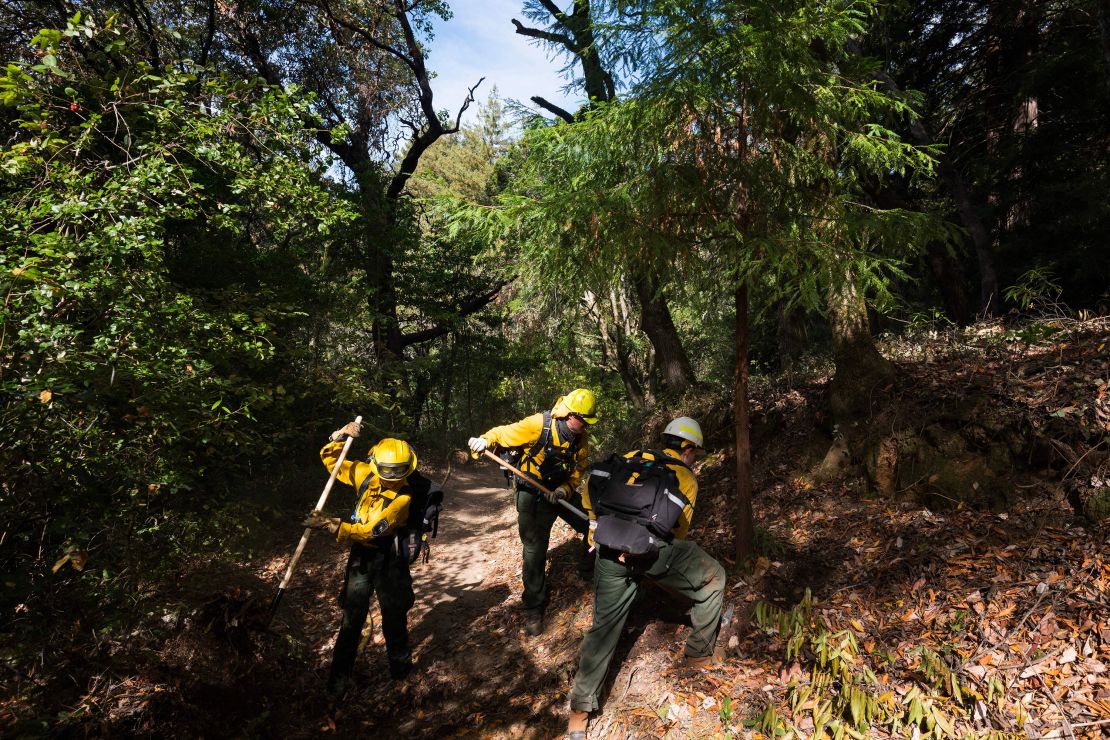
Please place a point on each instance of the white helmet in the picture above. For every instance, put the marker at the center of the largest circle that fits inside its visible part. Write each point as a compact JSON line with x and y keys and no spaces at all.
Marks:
{"x":685,"y":428}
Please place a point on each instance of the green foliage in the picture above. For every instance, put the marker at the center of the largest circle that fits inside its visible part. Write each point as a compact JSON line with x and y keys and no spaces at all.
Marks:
{"x":842,"y":694}
{"x":745,"y":152}
{"x":160,"y":236}
{"x":1032,"y":287}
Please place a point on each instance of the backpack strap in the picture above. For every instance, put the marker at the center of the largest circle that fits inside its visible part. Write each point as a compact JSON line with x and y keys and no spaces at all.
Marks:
{"x":664,"y":458}
{"x":543,"y":441}
{"x":362,"y":488}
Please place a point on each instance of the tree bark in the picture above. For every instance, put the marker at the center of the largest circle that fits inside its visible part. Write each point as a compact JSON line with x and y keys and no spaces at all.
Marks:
{"x":743,"y":525}
{"x":860,"y":369}
{"x":657,"y":324}
{"x":950,"y":283}
{"x":1104,"y":31}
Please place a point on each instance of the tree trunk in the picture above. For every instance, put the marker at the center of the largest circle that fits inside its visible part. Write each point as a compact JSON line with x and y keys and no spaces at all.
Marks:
{"x":860,"y":369}
{"x":655,"y":320}
{"x":790,"y":335}
{"x":743,"y":526}
{"x":1011,"y":41}
{"x":614,"y":348}
{"x":950,"y":282}
{"x":1104,"y":29}
{"x":980,"y":236}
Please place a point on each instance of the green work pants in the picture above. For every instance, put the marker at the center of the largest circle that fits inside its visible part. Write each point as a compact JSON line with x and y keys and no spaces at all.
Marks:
{"x":373,"y":570}
{"x":534,"y":518}
{"x":681,"y":566}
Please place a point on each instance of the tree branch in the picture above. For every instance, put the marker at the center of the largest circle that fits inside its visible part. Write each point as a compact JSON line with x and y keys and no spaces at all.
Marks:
{"x":541,"y":102}
{"x":552,"y":8}
{"x":416,"y":62}
{"x":466,"y":104}
{"x":206,"y":47}
{"x":369,"y":37}
{"x":465,"y":309}
{"x":554,"y":38}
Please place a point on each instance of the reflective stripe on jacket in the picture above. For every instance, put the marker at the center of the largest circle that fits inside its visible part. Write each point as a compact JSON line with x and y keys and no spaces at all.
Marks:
{"x":687,"y":484}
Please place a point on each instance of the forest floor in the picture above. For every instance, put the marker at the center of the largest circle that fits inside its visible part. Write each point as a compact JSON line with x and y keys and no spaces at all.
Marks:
{"x":950,"y":620}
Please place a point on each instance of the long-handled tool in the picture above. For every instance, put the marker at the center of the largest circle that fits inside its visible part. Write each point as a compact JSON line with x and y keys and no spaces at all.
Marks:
{"x":577,"y":512}
{"x":532,"y":482}
{"x":308,"y":530}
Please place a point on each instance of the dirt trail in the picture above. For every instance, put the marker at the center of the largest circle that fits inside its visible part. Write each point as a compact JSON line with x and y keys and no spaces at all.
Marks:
{"x":477,"y":521}
{"x":476,"y":673}
{"x":474,"y":667}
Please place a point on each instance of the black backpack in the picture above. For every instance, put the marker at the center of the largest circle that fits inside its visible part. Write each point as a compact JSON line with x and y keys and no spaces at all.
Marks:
{"x":425,"y":504}
{"x":637,"y":502}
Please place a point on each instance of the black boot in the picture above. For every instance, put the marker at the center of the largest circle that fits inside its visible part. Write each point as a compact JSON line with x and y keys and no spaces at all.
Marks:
{"x":400,"y":667}
{"x":533,"y":623}
{"x":338,"y":685}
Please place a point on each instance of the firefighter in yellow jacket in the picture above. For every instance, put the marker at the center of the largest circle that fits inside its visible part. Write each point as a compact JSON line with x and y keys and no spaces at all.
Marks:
{"x":630,"y":550}
{"x":387,"y":531}
{"x":553,"y":448}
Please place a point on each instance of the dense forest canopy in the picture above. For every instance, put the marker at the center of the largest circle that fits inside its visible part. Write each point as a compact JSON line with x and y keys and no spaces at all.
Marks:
{"x":229,"y":227}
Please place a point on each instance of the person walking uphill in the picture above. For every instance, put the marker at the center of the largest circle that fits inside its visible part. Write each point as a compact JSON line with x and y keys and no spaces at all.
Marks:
{"x":553,"y":448}
{"x":640,"y":509}
{"x":388,"y":531}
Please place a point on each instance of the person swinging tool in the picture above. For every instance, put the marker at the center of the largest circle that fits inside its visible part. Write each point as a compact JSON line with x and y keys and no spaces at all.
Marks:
{"x":552,"y":447}
{"x":396,"y":508}
{"x":640,"y":507}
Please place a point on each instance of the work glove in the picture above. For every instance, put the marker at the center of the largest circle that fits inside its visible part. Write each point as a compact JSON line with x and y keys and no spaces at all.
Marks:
{"x":478,"y":444}
{"x":562,"y":493}
{"x":350,"y":429}
{"x":317,"y":520}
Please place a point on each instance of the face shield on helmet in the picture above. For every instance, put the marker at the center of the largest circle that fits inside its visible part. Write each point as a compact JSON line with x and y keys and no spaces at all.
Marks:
{"x":393,"y":459}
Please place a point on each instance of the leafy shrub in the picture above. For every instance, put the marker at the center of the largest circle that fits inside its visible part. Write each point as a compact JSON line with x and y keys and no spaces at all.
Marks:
{"x":158,"y":233}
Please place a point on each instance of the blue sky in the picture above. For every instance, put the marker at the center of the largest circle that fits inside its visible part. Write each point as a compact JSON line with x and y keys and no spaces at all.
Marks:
{"x":480,"y":41}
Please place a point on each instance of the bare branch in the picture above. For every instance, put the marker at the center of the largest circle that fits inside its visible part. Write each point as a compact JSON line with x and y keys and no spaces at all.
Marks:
{"x":554,"y":38}
{"x":416,"y":62}
{"x":552,"y":8}
{"x":465,"y":105}
{"x":543,"y":103}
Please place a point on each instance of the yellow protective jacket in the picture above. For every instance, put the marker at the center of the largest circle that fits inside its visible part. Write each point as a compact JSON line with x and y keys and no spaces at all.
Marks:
{"x":380,"y":512}
{"x":526,"y":432}
{"x":687,"y":484}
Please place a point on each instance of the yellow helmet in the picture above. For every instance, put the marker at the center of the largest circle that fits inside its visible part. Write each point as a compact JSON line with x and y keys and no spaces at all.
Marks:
{"x":579,"y":401}
{"x":393,"y":459}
